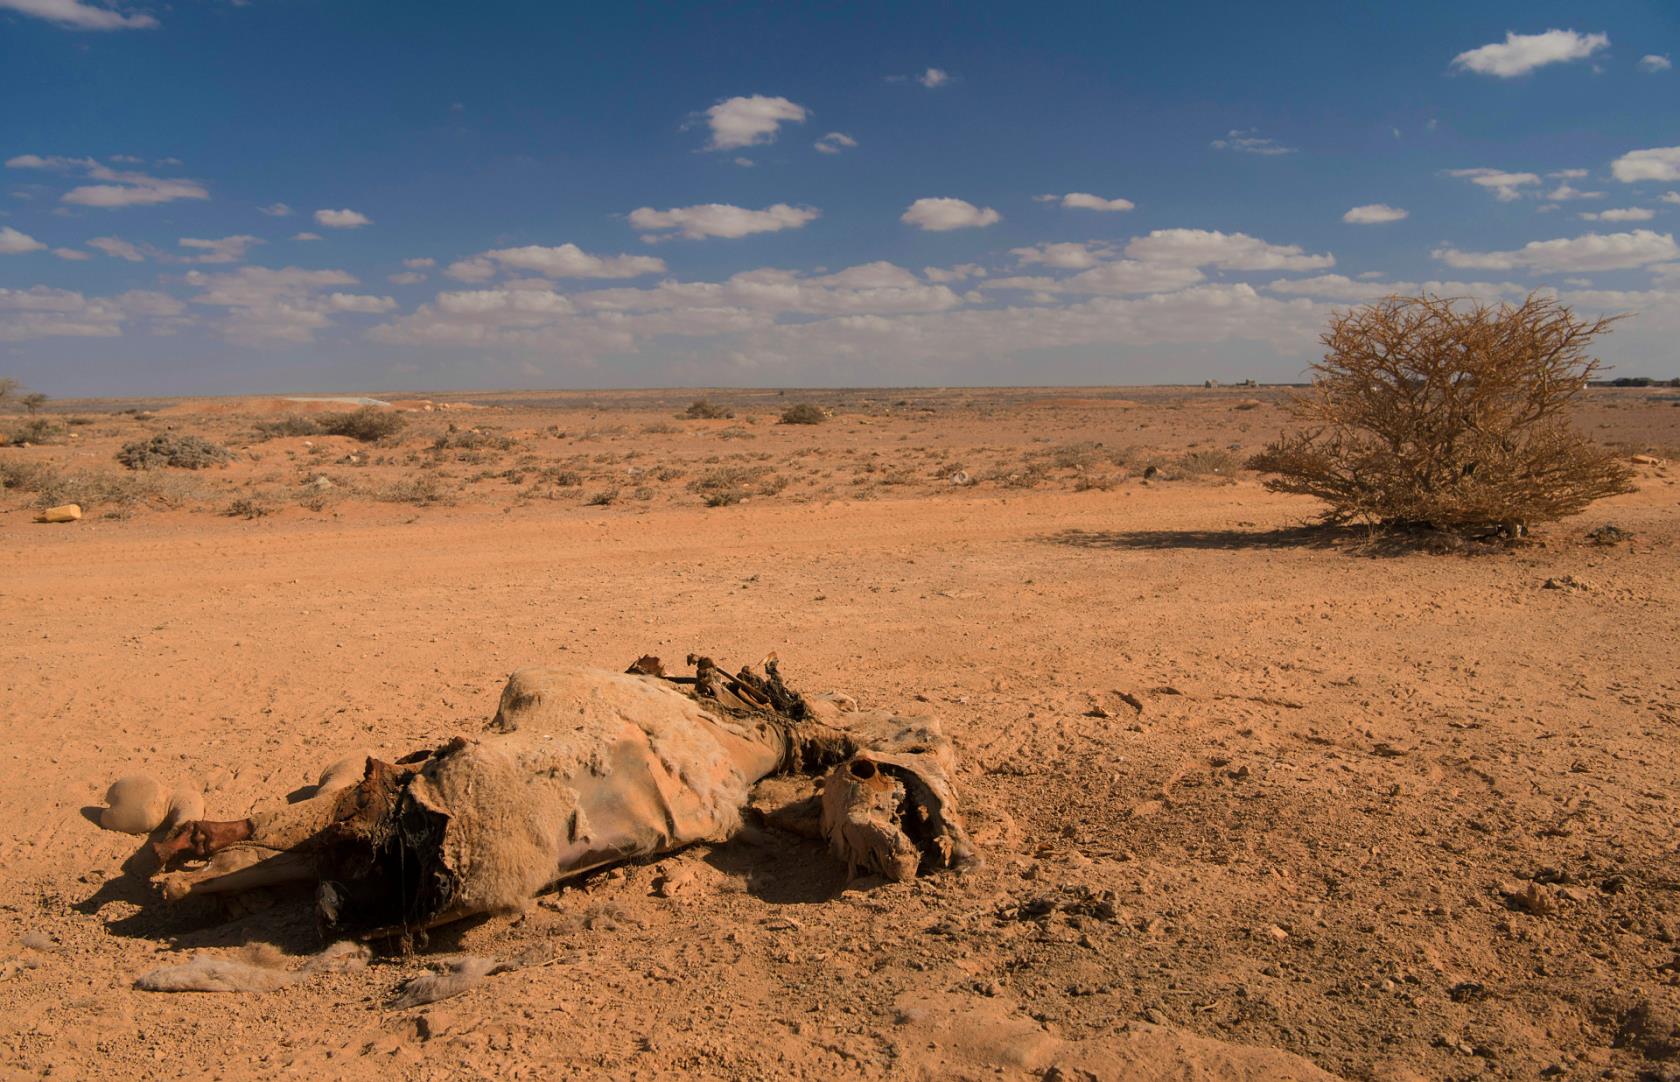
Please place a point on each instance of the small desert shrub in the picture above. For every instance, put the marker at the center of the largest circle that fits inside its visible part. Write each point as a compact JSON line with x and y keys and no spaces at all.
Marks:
{"x":471,"y":439}
{"x":36,"y":430}
{"x":1201,"y":463}
{"x":1427,"y":412}
{"x":704,"y":409}
{"x":424,"y":490}
{"x":603,"y":498}
{"x":804,"y":414}
{"x":245,"y":507}
{"x":1069,"y":456}
{"x":185,"y":452}
{"x":111,"y":491}
{"x":294,"y":425}
{"x":370,"y":424}
{"x":659,"y":428}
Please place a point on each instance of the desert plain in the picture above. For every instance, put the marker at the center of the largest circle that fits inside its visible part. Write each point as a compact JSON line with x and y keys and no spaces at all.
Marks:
{"x":1255,"y":800}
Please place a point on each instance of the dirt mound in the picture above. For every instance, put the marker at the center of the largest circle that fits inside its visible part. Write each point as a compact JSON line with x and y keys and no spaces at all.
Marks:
{"x":268,"y":407}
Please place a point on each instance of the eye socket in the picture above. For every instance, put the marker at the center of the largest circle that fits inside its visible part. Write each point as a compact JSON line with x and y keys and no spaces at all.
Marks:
{"x":862,"y":768}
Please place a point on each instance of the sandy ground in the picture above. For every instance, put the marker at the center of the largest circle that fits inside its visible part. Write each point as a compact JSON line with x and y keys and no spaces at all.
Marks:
{"x":1384,"y":816}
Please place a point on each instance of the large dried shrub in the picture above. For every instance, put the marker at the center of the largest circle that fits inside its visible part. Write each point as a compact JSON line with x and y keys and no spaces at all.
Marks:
{"x":181,"y":451}
{"x":1433,"y":412}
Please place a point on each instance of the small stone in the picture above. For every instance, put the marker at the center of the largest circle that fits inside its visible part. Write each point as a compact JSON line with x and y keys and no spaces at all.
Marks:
{"x":1646,"y":460}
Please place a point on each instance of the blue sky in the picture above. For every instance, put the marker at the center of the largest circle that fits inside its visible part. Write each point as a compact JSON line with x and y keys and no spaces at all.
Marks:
{"x":282,"y":195}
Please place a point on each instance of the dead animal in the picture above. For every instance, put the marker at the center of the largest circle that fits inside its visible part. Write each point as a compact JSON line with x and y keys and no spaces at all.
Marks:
{"x":582,"y":768}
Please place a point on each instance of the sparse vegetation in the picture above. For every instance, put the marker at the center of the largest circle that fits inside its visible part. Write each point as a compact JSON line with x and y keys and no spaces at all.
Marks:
{"x":1429,"y":412}
{"x":704,"y":409}
{"x":171,"y":449}
{"x":370,"y":424}
{"x":36,"y":430}
{"x":293,"y":425}
{"x":804,"y":413}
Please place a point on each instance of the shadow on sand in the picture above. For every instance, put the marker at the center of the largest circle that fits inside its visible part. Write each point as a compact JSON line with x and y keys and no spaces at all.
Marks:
{"x":1352,"y":540}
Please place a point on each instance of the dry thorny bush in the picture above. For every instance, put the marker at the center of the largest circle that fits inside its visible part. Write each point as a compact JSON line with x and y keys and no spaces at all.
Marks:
{"x":1432,"y":412}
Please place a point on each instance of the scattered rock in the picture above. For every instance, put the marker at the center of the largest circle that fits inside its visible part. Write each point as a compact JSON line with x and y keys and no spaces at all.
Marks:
{"x":1646,"y":460}
{"x":1530,"y":898}
{"x":1567,"y":582}
{"x":64,"y":512}
{"x":1608,"y":534}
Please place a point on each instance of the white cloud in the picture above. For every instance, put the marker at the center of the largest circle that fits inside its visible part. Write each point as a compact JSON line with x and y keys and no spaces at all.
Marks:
{"x":570,"y":261}
{"x":476,"y":269}
{"x":276,"y":210}
{"x":407,"y":278}
{"x":1671,"y":197}
{"x":834,"y":142}
{"x":1248,"y":141}
{"x":121,"y":188}
{"x":13,"y":242}
{"x":1337,"y":287}
{"x":1120,"y":277}
{"x":44,"y":312}
{"x":933,"y":77}
{"x":1656,"y":163}
{"x":1066,"y":256}
{"x":1589,"y":252}
{"x":289,"y":304}
{"x":1624,"y":214}
{"x":117,"y":248}
{"x":1655,"y":62}
{"x":959,"y":273}
{"x":1567,"y":191}
{"x":1086,"y":201}
{"x":306,"y":236}
{"x":745,"y":122}
{"x":74,"y":255}
{"x":719,"y":220}
{"x":1373,"y":214}
{"x":223,"y":250}
{"x":420,"y":263}
{"x":1506,"y":187}
{"x":1231,"y":251}
{"x":1520,"y":54}
{"x":76,"y":15}
{"x":342,"y":219}
{"x":941,"y":214}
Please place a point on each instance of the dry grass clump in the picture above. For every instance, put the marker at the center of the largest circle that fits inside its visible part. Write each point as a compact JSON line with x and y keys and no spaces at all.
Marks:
{"x":471,"y":439}
{"x":368,"y":424}
{"x":422,"y":490}
{"x":731,"y":484}
{"x":172,"y":449}
{"x":294,"y":425}
{"x":1427,"y":412}
{"x":113,"y":492}
{"x":805,"y":413}
{"x":704,"y":409}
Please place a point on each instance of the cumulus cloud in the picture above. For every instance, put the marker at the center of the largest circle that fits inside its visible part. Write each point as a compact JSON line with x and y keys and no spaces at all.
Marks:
{"x":342,"y":219}
{"x":1231,"y":251}
{"x":570,"y":261}
{"x":834,"y":142}
{"x":1589,"y":252}
{"x":72,"y":254}
{"x":959,"y":273}
{"x":1067,"y":256}
{"x":276,"y":210}
{"x":420,"y":263}
{"x":1373,"y":214}
{"x":118,"y":188}
{"x":1652,"y":63}
{"x":288,"y":304}
{"x":13,"y":242}
{"x":1656,"y":163}
{"x":1249,"y":141}
{"x":117,"y":248}
{"x":222,"y":250}
{"x":1506,"y":187}
{"x":44,"y":312}
{"x":76,"y":15}
{"x":1565,"y":191}
{"x":1117,"y":278}
{"x":476,"y":269}
{"x":749,"y":121}
{"x":407,"y":278}
{"x":1623,"y":214}
{"x":1520,"y":54}
{"x":933,"y":78}
{"x":1671,"y":197}
{"x":1337,"y":287}
{"x":718,"y":220}
{"x":1086,"y":201}
{"x":940,"y":214}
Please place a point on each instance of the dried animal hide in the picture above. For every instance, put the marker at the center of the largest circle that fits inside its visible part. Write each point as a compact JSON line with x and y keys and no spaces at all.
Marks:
{"x":582,"y":768}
